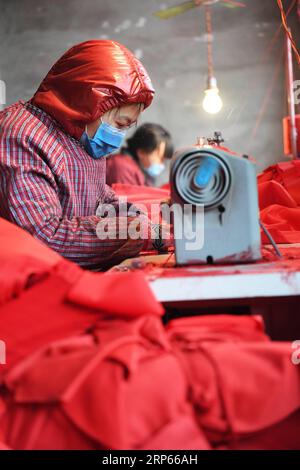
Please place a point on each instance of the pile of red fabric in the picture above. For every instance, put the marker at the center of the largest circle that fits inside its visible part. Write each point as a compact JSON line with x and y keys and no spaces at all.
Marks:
{"x":89,"y":365}
{"x":279,"y":199}
{"x":236,"y":376}
{"x":118,"y":386}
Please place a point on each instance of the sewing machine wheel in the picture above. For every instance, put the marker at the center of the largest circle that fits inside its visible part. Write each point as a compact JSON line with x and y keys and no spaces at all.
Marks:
{"x":185,"y":179}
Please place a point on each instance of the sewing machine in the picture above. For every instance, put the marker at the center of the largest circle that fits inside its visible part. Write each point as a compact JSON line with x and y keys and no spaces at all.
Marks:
{"x":214,"y":205}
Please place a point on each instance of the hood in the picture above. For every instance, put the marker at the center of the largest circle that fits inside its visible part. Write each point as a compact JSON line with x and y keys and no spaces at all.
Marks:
{"x":90,"y":79}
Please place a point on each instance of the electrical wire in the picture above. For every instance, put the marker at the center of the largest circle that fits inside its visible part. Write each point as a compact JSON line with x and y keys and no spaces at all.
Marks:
{"x":271,"y":239}
{"x":271,"y":85}
{"x":262,"y":60}
{"x":277,"y":33}
{"x":287,"y":30}
{"x":208,"y":26}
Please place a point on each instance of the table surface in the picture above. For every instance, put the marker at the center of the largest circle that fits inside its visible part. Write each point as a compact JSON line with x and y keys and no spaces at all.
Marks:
{"x":264,"y":279}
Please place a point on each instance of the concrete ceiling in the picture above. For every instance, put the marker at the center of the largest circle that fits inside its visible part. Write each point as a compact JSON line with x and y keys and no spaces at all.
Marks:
{"x":34,"y":34}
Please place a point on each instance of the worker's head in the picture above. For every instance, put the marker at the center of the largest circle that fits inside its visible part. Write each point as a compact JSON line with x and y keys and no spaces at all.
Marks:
{"x":106,"y":134}
{"x":95,"y":82}
{"x":123,"y":118}
{"x":150,"y":145}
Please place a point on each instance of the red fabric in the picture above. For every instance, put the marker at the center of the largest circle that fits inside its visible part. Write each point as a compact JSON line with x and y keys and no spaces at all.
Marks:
{"x":287,"y":174}
{"x":121,"y":168}
{"x":279,"y":198}
{"x":144,"y":194}
{"x":126,"y":363}
{"x":272,"y":192}
{"x":50,"y":309}
{"x":244,"y":389}
{"x":38,"y":294}
{"x":39,"y":314}
{"x":15,"y":242}
{"x":147,"y":199}
{"x":110,"y":294}
{"x":118,"y":388}
{"x":90,"y":79}
{"x":242,"y":384}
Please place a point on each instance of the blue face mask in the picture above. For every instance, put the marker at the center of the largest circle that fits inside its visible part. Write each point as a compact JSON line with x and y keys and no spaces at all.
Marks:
{"x":155,"y":169}
{"x":106,"y":140}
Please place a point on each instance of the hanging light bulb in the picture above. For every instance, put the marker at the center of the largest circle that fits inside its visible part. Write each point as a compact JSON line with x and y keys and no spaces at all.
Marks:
{"x":212,"y":102}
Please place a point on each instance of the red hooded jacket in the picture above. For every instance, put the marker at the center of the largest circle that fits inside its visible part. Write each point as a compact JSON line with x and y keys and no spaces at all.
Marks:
{"x":90,"y":79}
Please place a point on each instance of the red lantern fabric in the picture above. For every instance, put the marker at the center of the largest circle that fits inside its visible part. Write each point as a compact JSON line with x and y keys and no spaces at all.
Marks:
{"x":90,"y":79}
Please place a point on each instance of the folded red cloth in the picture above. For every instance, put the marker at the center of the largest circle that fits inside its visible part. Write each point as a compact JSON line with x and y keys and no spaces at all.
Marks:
{"x":122,"y":295}
{"x":242,"y":384}
{"x":44,"y":298}
{"x":119,"y":387}
{"x":279,"y":198}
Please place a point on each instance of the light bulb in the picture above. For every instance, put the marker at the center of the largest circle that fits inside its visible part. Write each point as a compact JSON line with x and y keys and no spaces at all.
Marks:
{"x":212,"y":102}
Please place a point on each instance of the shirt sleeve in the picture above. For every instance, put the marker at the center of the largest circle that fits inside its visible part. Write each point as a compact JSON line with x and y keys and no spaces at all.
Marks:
{"x":29,"y":198}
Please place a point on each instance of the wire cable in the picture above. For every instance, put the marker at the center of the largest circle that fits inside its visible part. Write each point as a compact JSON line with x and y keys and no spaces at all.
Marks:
{"x":209,"y":40}
{"x":262,"y":60}
{"x":271,"y":239}
{"x":287,"y":30}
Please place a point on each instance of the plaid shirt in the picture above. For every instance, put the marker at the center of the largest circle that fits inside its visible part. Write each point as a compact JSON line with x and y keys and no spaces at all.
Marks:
{"x":51,"y":187}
